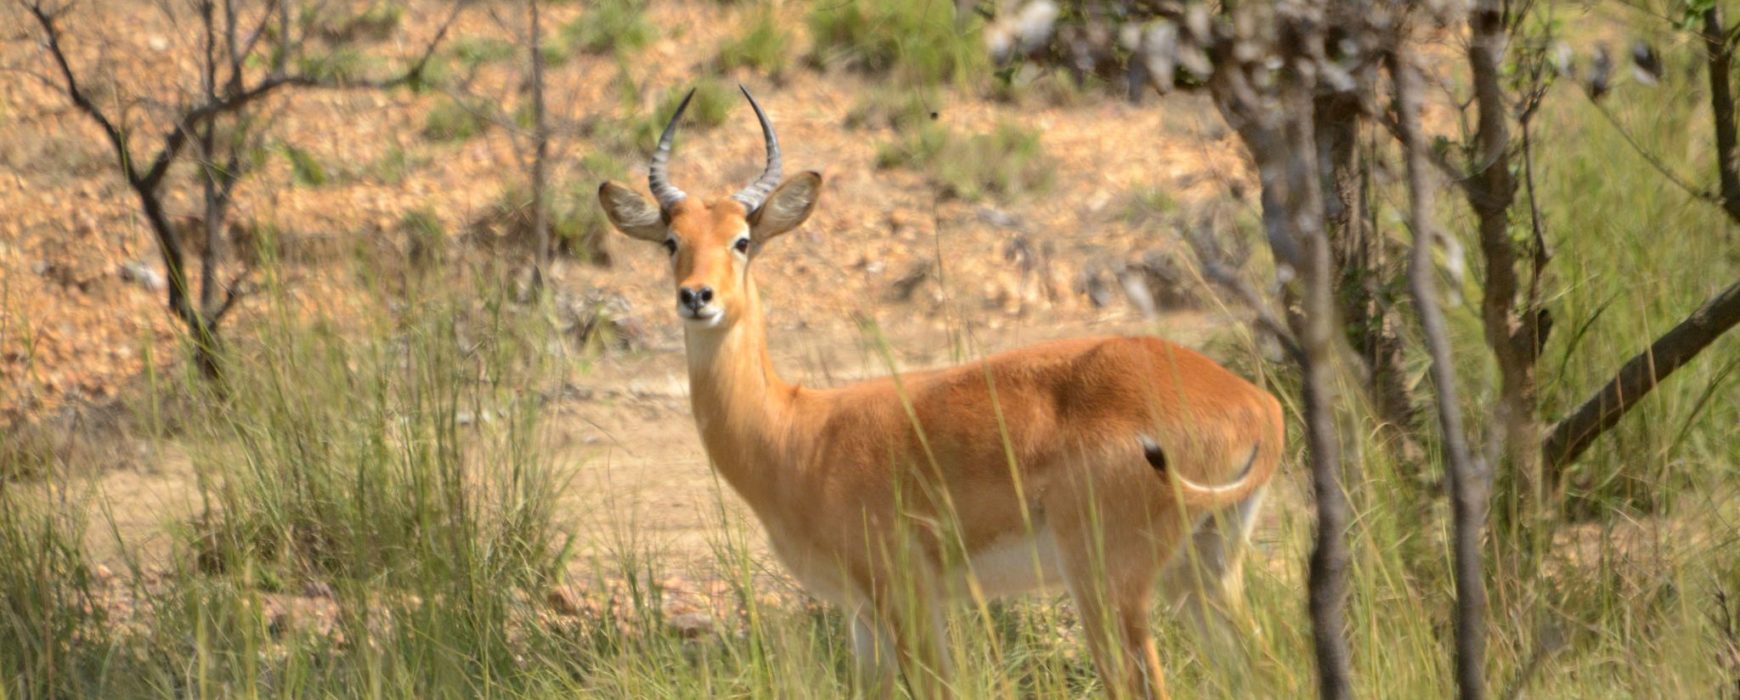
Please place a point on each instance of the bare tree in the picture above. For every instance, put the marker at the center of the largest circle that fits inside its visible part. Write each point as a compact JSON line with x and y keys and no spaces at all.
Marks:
{"x":231,"y":88}
{"x":1465,"y":478}
{"x":537,"y":144}
{"x":540,"y":149}
{"x":1514,"y":331}
{"x":1363,"y":258}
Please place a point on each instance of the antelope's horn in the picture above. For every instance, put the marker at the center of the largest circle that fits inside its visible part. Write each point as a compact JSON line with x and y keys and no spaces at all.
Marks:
{"x":658,"y":176}
{"x":753,"y":196}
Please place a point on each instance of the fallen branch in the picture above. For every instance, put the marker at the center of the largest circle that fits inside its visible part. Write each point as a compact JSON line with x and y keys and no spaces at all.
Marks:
{"x":1570,"y":437}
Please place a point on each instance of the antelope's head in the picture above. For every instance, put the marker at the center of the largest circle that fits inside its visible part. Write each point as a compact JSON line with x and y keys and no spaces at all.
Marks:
{"x":711,"y":243}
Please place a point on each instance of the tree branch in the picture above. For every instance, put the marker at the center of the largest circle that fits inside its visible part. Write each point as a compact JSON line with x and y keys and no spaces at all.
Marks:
{"x":51,"y":38}
{"x":1570,"y":437}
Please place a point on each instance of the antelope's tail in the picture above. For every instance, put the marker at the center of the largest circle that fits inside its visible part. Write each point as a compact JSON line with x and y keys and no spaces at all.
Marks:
{"x":1257,"y":469}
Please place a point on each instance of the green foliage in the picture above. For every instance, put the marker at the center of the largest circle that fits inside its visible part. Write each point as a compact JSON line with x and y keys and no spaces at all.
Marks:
{"x":375,"y":22}
{"x":917,"y":41}
{"x":426,"y":244}
{"x":1009,"y":160}
{"x":338,"y":65}
{"x":388,"y":462}
{"x":763,"y":46}
{"x":52,"y":634}
{"x":581,"y":225}
{"x":609,"y":25}
{"x":1631,"y":256}
{"x":1148,"y":205}
{"x":304,"y":168}
{"x":895,"y":108}
{"x":475,"y":51}
{"x":710,"y":107}
{"x":393,"y":166}
{"x":452,"y":120}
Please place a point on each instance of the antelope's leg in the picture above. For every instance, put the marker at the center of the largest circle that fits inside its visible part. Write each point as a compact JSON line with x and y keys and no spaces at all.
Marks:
{"x":1206,"y":579}
{"x":874,"y":651}
{"x":903,"y":622}
{"x":1111,"y":579}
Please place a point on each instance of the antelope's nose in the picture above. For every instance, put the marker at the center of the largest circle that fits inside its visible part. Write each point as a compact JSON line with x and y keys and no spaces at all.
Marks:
{"x":694,"y":298}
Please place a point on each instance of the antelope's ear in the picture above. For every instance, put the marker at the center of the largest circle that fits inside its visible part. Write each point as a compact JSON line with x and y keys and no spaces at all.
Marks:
{"x":630,"y":213}
{"x":787,"y":206}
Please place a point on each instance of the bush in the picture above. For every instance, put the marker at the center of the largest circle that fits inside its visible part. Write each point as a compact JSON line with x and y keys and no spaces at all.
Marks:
{"x":452,"y":120}
{"x":892,"y":108}
{"x":375,"y":22}
{"x":474,"y":51}
{"x":916,"y":40}
{"x":1148,"y":205}
{"x":609,"y":25}
{"x":426,"y":238}
{"x":402,"y":460}
{"x":338,"y":65}
{"x":1009,"y":160}
{"x":712,"y":105}
{"x":762,"y":47}
{"x":304,"y":167}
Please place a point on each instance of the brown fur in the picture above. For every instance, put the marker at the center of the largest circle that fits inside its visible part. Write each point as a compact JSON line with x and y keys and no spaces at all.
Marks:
{"x":902,"y":484}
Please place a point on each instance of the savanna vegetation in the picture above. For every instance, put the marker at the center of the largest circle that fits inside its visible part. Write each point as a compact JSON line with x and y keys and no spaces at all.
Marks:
{"x":319,"y":375}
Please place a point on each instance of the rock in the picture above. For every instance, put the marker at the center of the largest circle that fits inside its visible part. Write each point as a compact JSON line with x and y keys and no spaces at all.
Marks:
{"x":691,"y":625}
{"x":141,"y":274}
{"x":565,"y":602}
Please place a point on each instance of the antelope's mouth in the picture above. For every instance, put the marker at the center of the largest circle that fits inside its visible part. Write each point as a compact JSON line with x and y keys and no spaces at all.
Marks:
{"x":705,"y":318}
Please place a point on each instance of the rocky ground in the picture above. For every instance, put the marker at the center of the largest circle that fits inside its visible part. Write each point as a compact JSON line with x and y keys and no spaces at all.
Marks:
{"x":80,"y":280}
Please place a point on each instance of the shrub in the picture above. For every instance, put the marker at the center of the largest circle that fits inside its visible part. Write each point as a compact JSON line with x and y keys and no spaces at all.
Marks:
{"x":375,"y":22}
{"x":1148,"y":205}
{"x":1008,"y":160}
{"x":338,"y":65}
{"x":304,"y":168}
{"x":762,"y":47}
{"x":474,"y":51}
{"x":452,"y":120}
{"x":713,"y":102}
{"x":426,"y":238}
{"x":609,"y":25}
{"x":916,"y":40}
{"x":892,"y":108}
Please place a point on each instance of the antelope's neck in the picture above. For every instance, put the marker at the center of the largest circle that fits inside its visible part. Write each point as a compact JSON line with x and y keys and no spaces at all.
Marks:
{"x":742,"y":408}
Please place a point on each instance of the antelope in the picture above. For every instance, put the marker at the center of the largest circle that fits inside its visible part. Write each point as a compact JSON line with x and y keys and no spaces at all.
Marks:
{"x":1085,"y":462}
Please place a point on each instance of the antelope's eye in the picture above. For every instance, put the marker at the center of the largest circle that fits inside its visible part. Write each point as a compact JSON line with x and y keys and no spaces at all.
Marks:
{"x":671,"y":246}
{"x":741,"y":245}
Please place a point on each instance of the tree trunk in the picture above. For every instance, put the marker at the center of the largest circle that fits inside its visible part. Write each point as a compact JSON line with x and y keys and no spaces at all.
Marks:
{"x":1284,"y":149}
{"x":540,"y":153}
{"x":1360,"y":259}
{"x":1721,"y":58}
{"x":1463,"y":477}
{"x":1510,"y":332}
{"x":207,"y":355}
{"x":1329,"y":557}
